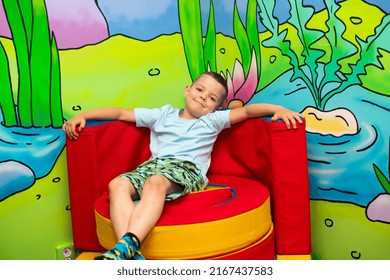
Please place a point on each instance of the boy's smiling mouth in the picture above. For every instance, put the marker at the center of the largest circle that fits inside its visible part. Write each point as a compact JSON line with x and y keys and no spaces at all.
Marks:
{"x":201,"y":103}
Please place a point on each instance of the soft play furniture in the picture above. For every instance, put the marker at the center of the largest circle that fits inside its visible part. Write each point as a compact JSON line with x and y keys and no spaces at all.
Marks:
{"x":220,"y":222}
{"x":255,"y":207}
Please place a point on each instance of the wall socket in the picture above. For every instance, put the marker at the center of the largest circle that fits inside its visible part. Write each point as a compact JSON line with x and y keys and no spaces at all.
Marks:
{"x":65,"y":251}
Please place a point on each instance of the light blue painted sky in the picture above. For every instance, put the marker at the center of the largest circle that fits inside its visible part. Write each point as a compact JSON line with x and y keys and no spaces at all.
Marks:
{"x":148,"y":19}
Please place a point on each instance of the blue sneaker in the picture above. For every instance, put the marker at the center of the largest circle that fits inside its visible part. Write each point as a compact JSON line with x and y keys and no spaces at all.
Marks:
{"x":127,"y":248}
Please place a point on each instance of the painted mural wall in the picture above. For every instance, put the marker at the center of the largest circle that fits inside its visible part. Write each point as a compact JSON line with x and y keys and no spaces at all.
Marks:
{"x":327,"y":59}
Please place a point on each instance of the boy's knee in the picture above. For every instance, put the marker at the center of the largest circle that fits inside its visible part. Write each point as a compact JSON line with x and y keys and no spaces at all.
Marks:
{"x":157,"y":179}
{"x":157,"y":183}
{"x":119,"y":184}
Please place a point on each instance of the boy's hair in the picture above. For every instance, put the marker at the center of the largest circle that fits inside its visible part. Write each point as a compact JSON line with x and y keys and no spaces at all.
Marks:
{"x":220,"y":79}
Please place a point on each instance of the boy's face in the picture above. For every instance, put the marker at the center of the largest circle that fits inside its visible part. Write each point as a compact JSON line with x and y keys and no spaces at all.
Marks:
{"x":203,"y":97}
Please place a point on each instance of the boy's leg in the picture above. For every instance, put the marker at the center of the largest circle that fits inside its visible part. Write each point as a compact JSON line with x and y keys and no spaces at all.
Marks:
{"x":146,"y":214}
{"x":143,"y":218}
{"x":121,"y":193}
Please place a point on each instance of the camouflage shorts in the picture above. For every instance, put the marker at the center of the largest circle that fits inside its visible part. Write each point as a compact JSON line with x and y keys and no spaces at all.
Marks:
{"x":181,"y":172}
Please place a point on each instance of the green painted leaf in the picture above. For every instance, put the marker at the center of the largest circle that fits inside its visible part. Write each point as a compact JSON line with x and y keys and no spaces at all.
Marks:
{"x":340,"y":48}
{"x":300,"y":16}
{"x":210,"y":42}
{"x":191,"y":31}
{"x":14,"y":17}
{"x":266,"y":15}
{"x":40,"y":63}
{"x":379,"y":40}
{"x":278,"y":40}
{"x":253,"y":32}
{"x":7,"y":106}
{"x":369,"y":55}
{"x":55,"y":89}
{"x":385,"y":183}
{"x":242,"y":40}
{"x":26,"y":11}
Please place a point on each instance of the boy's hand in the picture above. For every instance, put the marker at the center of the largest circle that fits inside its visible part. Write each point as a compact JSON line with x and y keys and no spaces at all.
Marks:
{"x":70,"y":126}
{"x":289,"y":117}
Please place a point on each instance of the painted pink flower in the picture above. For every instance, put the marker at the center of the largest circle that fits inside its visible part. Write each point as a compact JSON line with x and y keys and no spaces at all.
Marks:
{"x":240,"y":88}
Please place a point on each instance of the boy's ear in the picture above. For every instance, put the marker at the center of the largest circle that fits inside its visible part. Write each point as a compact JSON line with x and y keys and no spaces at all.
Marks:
{"x":186,"y":90}
{"x":220,"y":107}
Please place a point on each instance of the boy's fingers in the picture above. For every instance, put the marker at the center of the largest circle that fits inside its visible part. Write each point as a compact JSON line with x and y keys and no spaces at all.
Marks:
{"x":70,"y":129}
{"x":82,"y":125}
{"x":294,"y":118}
{"x":290,"y":119}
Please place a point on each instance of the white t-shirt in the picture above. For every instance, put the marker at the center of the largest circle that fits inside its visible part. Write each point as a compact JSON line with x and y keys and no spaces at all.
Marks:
{"x":173,"y":136}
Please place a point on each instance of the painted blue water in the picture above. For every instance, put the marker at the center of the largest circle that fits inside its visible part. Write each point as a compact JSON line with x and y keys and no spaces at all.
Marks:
{"x":32,"y":154}
{"x":341,"y":168}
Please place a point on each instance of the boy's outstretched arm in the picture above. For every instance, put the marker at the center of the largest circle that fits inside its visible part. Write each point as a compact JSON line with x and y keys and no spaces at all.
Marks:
{"x":122,"y":114}
{"x":261,"y":110}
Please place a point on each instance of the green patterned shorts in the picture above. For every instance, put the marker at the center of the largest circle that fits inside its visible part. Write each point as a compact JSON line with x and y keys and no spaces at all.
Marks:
{"x":182,"y":172}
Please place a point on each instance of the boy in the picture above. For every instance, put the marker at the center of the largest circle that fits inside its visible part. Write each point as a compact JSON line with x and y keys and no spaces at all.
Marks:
{"x":181,"y":144}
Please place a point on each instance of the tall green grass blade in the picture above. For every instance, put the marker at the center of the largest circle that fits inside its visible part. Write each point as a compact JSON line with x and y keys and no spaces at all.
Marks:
{"x":385,"y":183}
{"x":253,"y":32}
{"x":55,"y":91}
{"x":340,"y":48}
{"x":210,"y":42}
{"x":242,"y":40}
{"x":191,"y":31}
{"x":26,"y":10}
{"x":40,"y":66}
{"x":19,"y":36}
{"x":7,"y":106}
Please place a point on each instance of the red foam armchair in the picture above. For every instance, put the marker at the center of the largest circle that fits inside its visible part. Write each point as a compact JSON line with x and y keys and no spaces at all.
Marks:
{"x":255,"y":150}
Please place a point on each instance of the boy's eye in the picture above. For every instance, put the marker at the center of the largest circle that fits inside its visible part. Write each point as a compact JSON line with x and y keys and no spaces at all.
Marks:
{"x":212,"y":98}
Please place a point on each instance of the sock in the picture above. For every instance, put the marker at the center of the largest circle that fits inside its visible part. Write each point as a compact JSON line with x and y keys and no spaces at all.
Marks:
{"x":127,"y":248}
{"x":136,"y":246}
